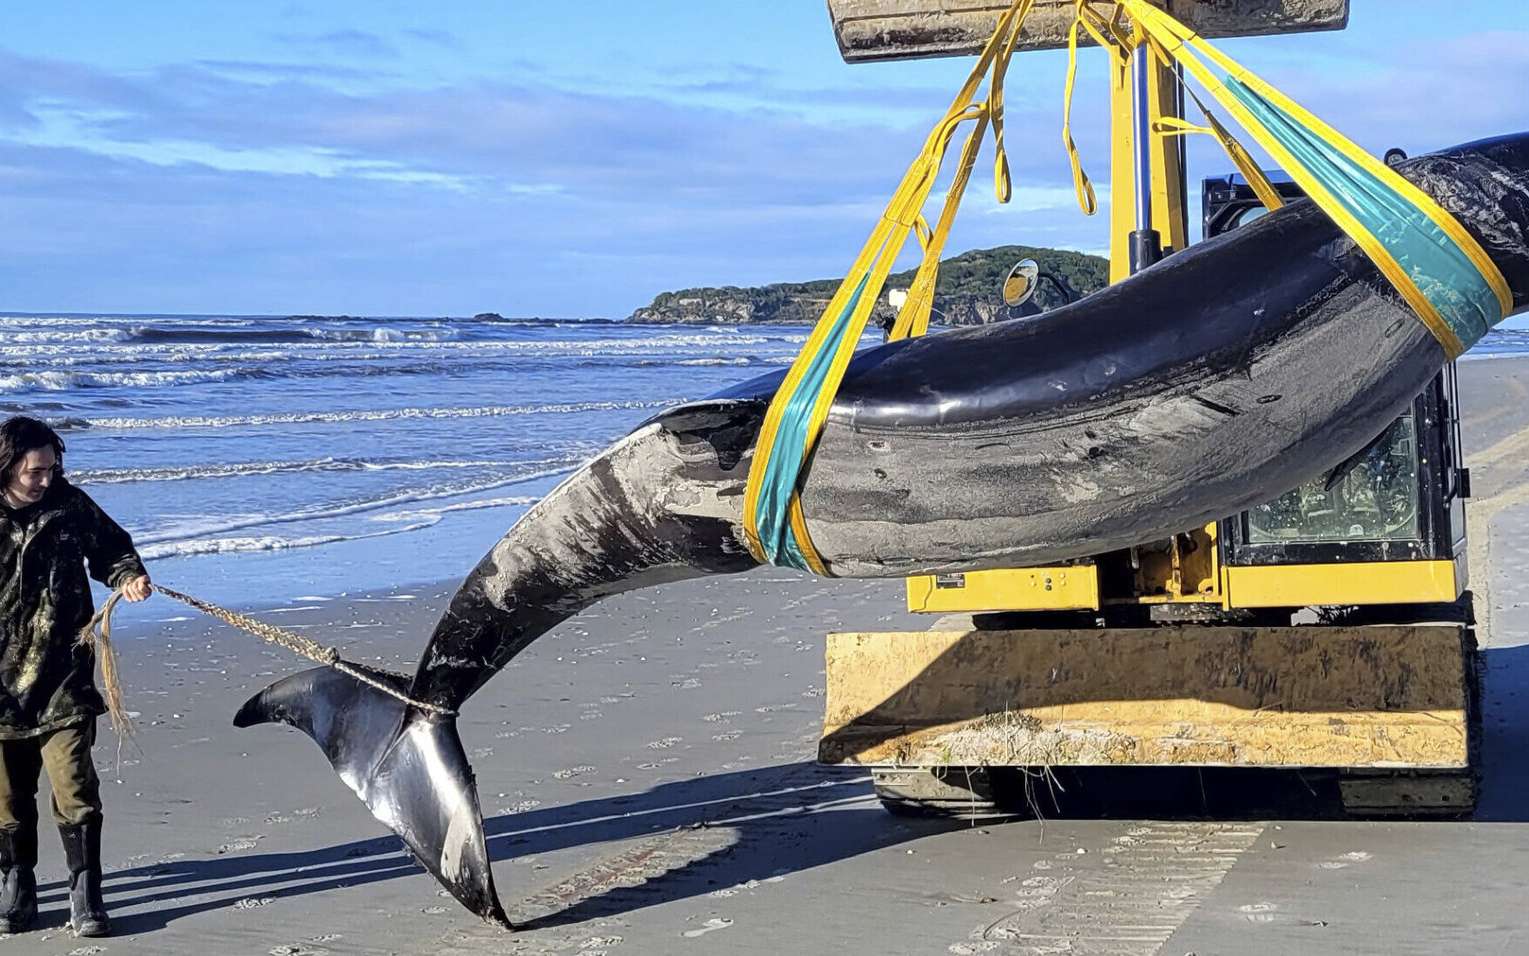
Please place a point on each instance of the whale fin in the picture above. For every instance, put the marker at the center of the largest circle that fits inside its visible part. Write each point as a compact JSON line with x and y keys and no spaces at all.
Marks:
{"x":407,"y":767}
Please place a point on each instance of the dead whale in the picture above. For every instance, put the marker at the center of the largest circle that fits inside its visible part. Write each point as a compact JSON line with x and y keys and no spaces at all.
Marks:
{"x":1215,"y":380}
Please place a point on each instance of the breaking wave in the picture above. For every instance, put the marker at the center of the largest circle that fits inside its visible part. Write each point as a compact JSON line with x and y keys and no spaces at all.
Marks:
{"x":117,"y":476}
{"x":477,"y":505}
{"x":56,"y":381}
{"x":150,"y":333}
{"x":180,"y":549}
{"x":555,"y":467}
{"x":379,"y":415}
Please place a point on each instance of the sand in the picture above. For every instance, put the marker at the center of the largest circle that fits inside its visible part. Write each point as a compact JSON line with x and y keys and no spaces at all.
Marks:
{"x":647,"y":778}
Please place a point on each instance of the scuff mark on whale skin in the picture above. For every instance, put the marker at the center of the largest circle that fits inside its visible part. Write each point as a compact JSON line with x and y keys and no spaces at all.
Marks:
{"x":662,"y":505}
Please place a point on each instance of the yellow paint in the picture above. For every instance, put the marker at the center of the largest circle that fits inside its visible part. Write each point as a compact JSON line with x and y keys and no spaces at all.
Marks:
{"x":1188,"y":572}
{"x":1062,"y":588}
{"x":1168,"y":207}
{"x":1380,"y":582}
{"x":1379,"y":696}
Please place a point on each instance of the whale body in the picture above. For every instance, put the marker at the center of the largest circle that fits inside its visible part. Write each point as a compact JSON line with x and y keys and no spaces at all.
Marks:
{"x":1213,"y":381}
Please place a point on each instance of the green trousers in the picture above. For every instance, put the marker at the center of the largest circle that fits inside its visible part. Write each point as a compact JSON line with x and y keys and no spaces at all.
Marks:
{"x":65,"y":754}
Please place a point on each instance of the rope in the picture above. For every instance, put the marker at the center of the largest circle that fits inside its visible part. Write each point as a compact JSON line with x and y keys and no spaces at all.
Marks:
{"x":98,"y":634}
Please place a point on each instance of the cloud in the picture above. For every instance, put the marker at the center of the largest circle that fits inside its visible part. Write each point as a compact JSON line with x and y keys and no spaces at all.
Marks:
{"x":326,"y":186}
{"x":439,"y":38}
{"x":265,"y":71}
{"x":261,"y":186}
{"x":1422,"y":96}
{"x":529,"y":134}
{"x":357,"y":43}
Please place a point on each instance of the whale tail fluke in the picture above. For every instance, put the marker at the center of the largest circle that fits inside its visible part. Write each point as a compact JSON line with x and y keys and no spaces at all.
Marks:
{"x":407,"y":767}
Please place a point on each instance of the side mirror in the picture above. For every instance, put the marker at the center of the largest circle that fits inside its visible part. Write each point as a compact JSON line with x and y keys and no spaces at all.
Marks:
{"x":1021,"y":281}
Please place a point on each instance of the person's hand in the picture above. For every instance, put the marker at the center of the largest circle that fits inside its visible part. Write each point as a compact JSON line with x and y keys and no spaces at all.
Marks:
{"x":137,"y":589}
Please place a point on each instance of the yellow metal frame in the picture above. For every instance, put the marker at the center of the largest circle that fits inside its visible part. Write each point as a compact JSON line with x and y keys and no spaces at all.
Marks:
{"x":1168,"y":200}
{"x":1314,"y":696}
{"x":1073,"y":587}
{"x":1379,"y":582}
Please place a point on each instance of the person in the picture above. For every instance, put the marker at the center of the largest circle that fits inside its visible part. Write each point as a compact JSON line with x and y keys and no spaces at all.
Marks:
{"x":50,"y":532}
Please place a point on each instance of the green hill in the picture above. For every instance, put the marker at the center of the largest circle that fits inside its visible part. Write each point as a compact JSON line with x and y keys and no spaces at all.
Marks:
{"x":967,"y":292}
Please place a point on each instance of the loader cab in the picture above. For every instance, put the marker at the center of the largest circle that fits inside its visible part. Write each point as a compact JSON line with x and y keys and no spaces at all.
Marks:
{"x":1398,"y":499}
{"x":1384,"y":528}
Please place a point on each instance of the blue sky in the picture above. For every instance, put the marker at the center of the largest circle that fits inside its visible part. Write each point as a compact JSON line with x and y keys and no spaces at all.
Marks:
{"x":568,"y":159}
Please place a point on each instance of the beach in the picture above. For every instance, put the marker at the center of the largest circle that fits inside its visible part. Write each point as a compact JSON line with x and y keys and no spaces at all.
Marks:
{"x":648,"y":783}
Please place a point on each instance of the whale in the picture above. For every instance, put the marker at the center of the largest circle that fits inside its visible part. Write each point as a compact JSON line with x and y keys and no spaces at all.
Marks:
{"x":1208,"y":383}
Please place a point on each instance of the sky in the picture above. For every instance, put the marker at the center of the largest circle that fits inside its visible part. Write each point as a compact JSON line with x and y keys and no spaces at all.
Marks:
{"x":572,"y":159}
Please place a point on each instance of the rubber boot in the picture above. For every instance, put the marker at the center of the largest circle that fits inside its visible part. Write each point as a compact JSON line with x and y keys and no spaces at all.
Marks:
{"x":82,"y":851}
{"x":18,"y":879}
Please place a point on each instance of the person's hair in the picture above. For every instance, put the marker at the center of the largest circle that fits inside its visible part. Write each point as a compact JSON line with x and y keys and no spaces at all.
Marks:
{"x":19,"y":435}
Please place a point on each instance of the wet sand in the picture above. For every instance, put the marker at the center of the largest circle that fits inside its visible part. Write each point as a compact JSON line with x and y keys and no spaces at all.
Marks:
{"x":647,"y":777}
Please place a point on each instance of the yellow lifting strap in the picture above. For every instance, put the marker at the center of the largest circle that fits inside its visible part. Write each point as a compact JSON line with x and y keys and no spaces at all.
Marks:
{"x":774,"y":526}
{"x":1240,"y":157}
{"x":1424,"y":252}
{"x":1426,"y":255}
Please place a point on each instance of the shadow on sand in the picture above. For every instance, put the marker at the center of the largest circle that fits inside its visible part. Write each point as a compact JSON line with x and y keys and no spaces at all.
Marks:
{"x":690,"y":837}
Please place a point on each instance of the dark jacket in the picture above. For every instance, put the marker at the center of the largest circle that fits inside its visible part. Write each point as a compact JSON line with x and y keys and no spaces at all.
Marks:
{"x":46,"y":680}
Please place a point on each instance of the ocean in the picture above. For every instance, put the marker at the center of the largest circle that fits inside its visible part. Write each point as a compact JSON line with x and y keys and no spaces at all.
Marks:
{"x":256,"y":460}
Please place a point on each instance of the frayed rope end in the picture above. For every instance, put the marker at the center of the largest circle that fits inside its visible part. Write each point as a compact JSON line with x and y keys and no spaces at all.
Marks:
{"x":96,"y":635}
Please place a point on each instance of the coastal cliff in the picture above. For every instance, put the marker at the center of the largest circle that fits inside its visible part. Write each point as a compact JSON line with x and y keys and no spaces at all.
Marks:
{"x":967,"y":292}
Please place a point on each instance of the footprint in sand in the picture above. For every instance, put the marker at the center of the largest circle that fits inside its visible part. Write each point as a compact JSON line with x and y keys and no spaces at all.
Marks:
{"x":715,"y":923}
{"x":664,"y":744}
{"x":591,"y":715}
{"x":572,"y":772}
{"x":253,"y":902}
{"x":243,"y":843}
{"x":87,"y":951}
{"x":727,"y":735}
{"x":600,"y":943}
{"x":1258,"y":912}
{"x":1347,"y":859}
